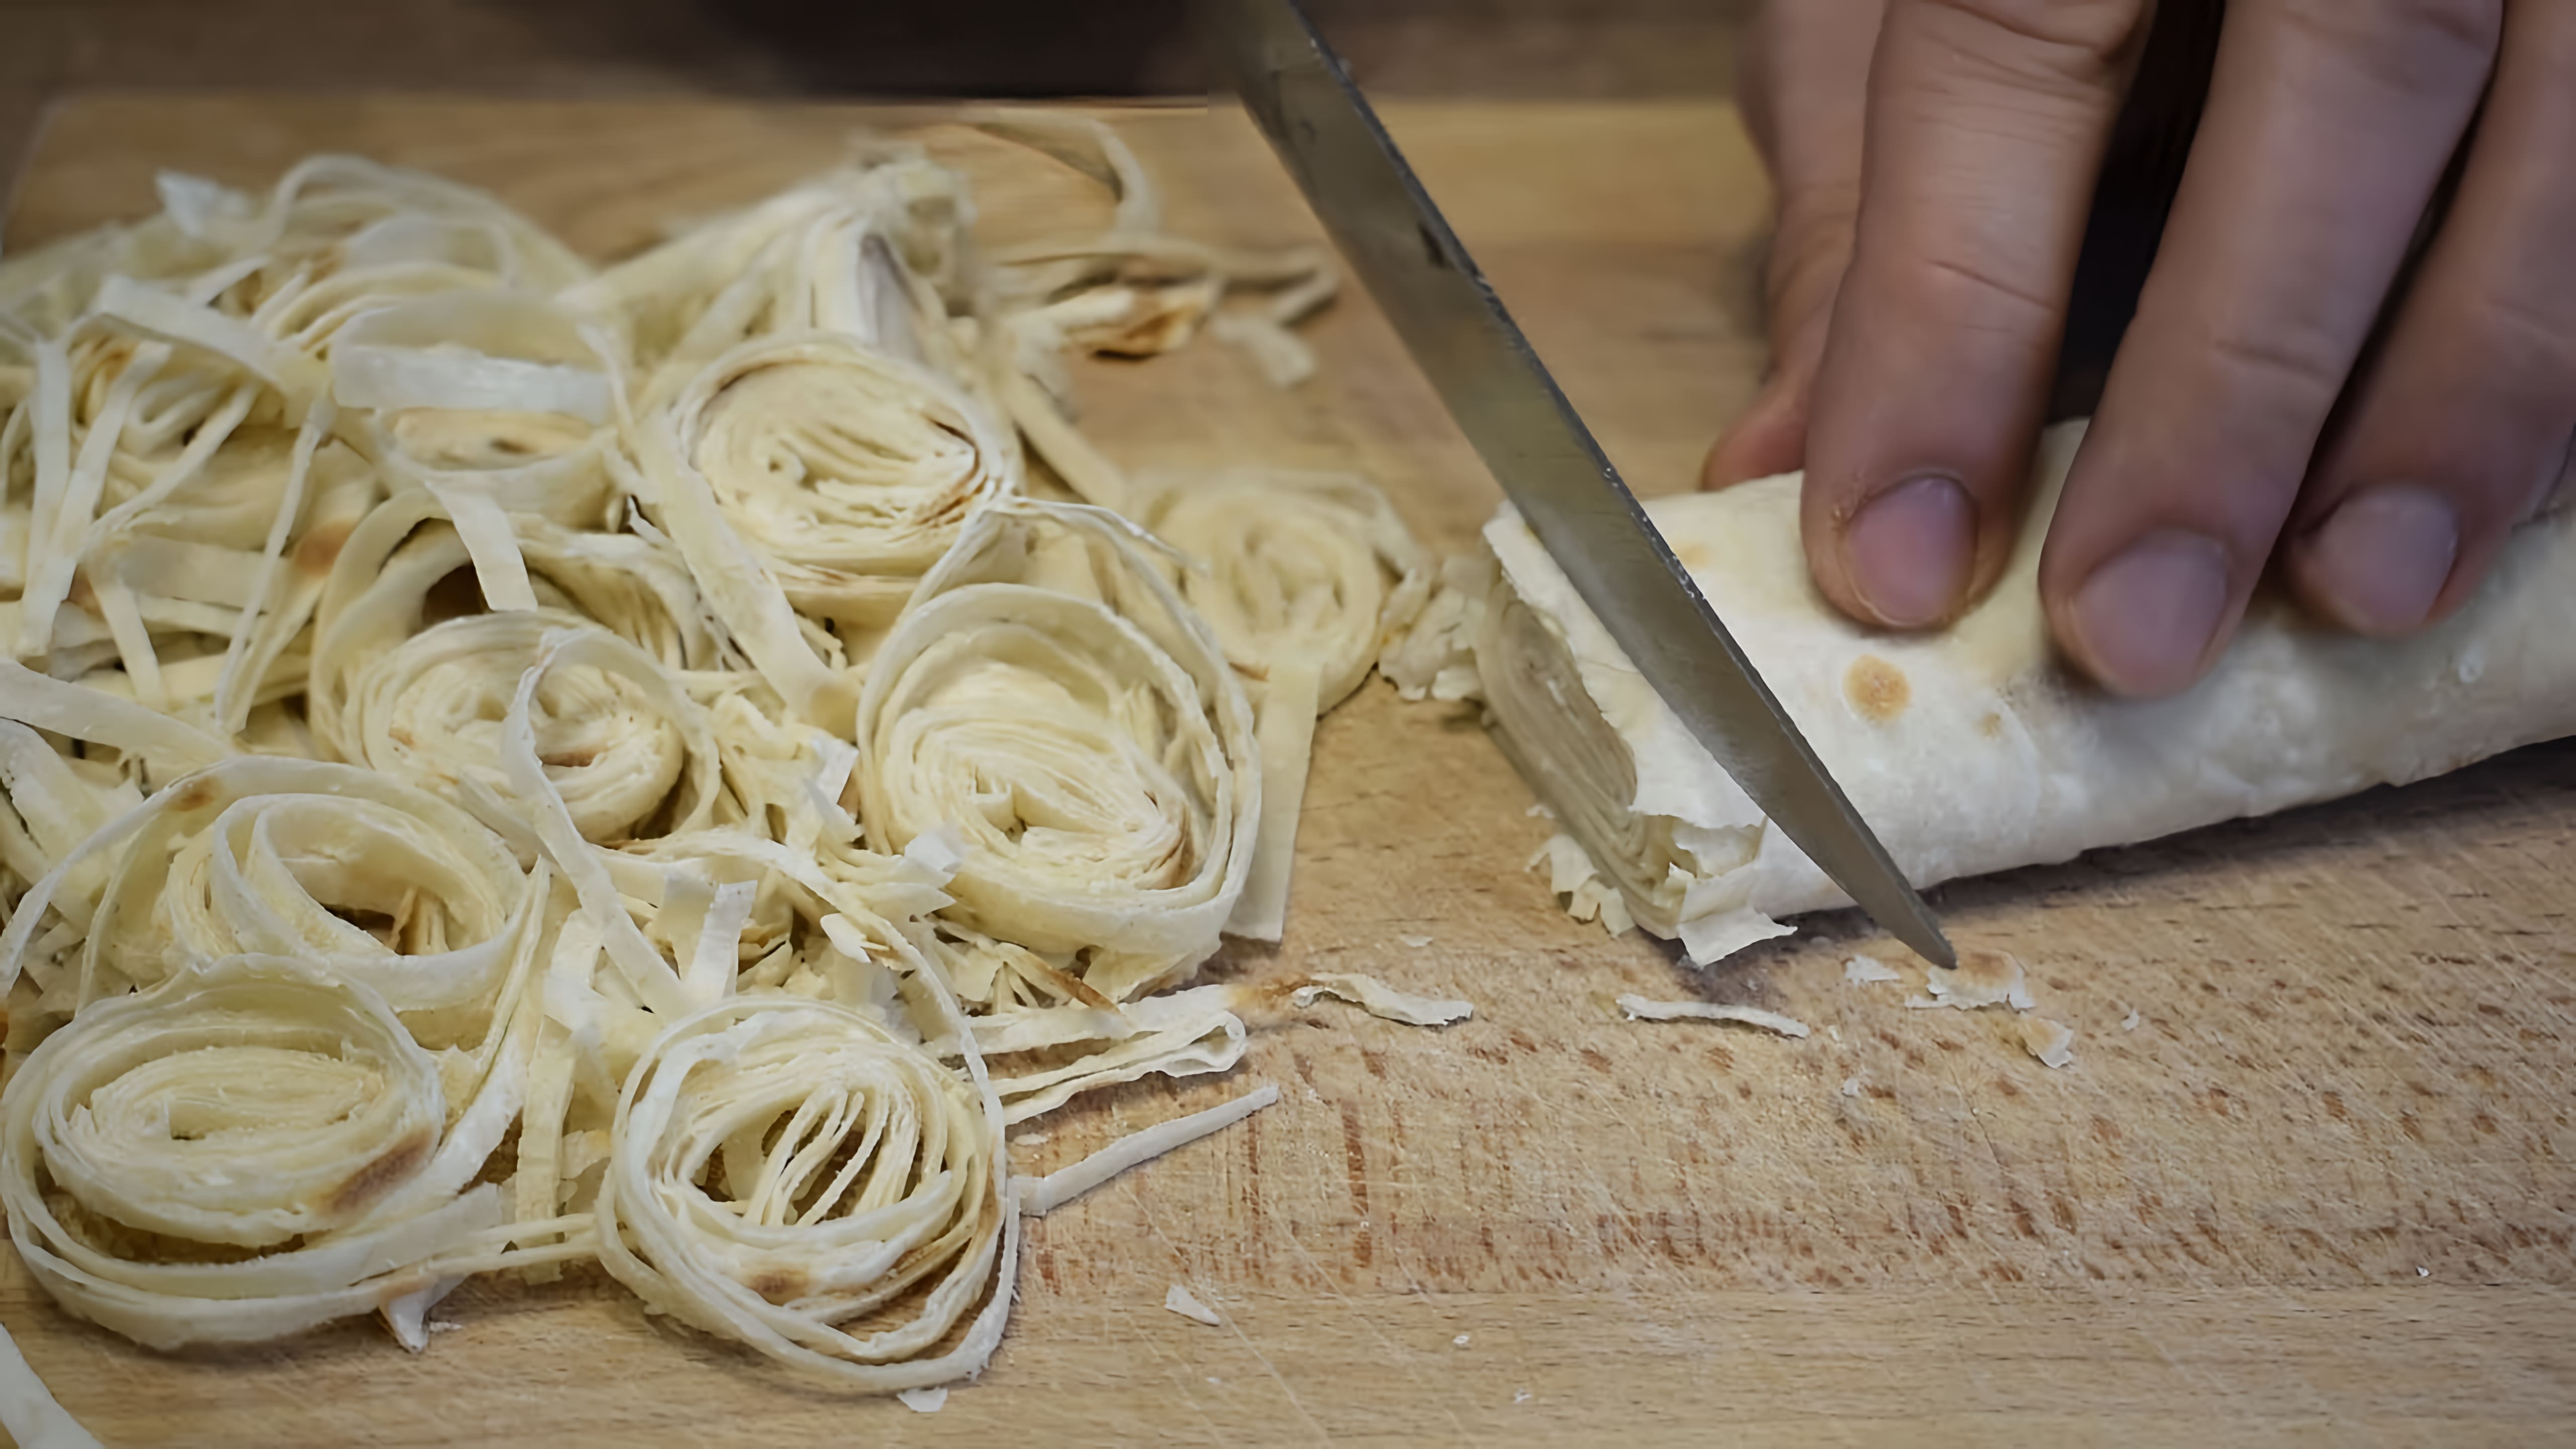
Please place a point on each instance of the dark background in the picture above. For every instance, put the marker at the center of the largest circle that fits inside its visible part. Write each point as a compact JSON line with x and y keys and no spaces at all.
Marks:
{"x":827,"y":48}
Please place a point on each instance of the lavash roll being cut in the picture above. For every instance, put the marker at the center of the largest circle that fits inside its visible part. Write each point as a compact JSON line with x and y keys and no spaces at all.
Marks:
{"x":1974,"y":749}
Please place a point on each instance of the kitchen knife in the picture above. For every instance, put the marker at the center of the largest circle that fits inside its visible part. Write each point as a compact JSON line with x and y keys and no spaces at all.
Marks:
{"x":1539,"y":450}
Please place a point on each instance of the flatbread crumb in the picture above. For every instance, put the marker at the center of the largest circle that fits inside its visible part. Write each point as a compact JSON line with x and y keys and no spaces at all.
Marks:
{"x":2130,"y":1022}
{"x":1851,"y":1086}
{"x":1639,"y":1008}
{"x":924,"y":1401}
{"x":1182,"y":1301}
{"x":1862,"y":970}
{"x":1461,"y":1340}
{"x":1416,"y":942}
{"x":2052,"y":1042}
{"x":1984,"y":978}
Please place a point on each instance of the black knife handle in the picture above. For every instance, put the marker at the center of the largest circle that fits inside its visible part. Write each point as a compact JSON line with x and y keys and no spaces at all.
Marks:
{"x":2141,"y":172}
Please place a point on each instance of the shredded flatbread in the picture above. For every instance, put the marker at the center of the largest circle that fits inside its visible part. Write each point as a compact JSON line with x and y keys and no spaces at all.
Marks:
{"x":506,"y":765}
{"x":878,"y":1131}
{"x":1639,"y":1008}
{"x":1379,"y":999}
{"x":257,"y":1105}
{"x":1588,"y":895}
{"x":1182,"y":1301}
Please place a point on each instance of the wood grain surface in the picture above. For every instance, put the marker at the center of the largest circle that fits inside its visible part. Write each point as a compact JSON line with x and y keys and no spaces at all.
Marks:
{"x":2320,"y":1193}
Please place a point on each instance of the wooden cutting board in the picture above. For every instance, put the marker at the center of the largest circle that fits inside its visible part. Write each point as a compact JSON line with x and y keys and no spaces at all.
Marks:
{"x":2319,"y":1190}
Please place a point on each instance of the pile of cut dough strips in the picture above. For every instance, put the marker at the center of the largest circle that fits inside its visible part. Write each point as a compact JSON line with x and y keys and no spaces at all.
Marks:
{"x":509,"y":764}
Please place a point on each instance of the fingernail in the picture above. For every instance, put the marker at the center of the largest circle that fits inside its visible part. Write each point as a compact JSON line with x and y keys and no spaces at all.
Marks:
{"x":1909,"y":548}
{"x":2147,"y":616}
{"x":2382,"y":557}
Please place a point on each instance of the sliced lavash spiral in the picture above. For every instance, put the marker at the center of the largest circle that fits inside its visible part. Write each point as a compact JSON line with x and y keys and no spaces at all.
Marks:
{"x":793,"y":1175}
{"x":733,"y":910}
{"x":856,"y":1224}
{"x":1296,"y":573}
{"x":812,"y":472}
{"x":358,"y":879}
{"x":413,"y":677}
{"x":1051,"y":700}
{"x":247,"y":1150}
{"x":344,"y":868}
{"x":846,"y":471}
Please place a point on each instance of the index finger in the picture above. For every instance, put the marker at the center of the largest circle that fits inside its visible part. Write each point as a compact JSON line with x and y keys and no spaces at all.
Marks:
{"x":1988,"y":120}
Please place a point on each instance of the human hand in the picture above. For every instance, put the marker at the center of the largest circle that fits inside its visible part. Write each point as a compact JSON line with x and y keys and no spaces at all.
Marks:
{"x":1917,"y":305}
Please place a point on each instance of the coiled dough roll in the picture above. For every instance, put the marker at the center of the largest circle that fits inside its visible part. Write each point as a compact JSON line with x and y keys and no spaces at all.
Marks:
{"x":790,"y":1174}
{"x":1052,"y":698}
{"x":244,"y":1151}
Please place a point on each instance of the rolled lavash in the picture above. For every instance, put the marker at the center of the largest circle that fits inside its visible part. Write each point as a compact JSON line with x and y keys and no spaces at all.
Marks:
{"x":1975,"y":749}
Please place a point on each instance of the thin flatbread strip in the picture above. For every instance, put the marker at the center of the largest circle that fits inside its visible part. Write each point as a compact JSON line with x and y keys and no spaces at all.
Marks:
{"x":1639,"y":1008}
{"x":1038,"y":1196}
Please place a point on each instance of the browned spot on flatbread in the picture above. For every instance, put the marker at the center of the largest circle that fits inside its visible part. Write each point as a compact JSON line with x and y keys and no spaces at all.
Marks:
{"x":1070,"y":985}
{"x":193,"y":794}
{"x":1876,"y":688}
{"x":1696,"y":557}
{"x":569,"y":759}
{"x":319,"y":549}
{"x":377,"y":1178}
{"x":1991,"y":726}
{"x":780,"y":1285}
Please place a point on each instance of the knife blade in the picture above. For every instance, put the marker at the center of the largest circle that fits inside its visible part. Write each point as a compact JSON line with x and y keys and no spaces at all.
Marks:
{"x":1539,"y":450}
